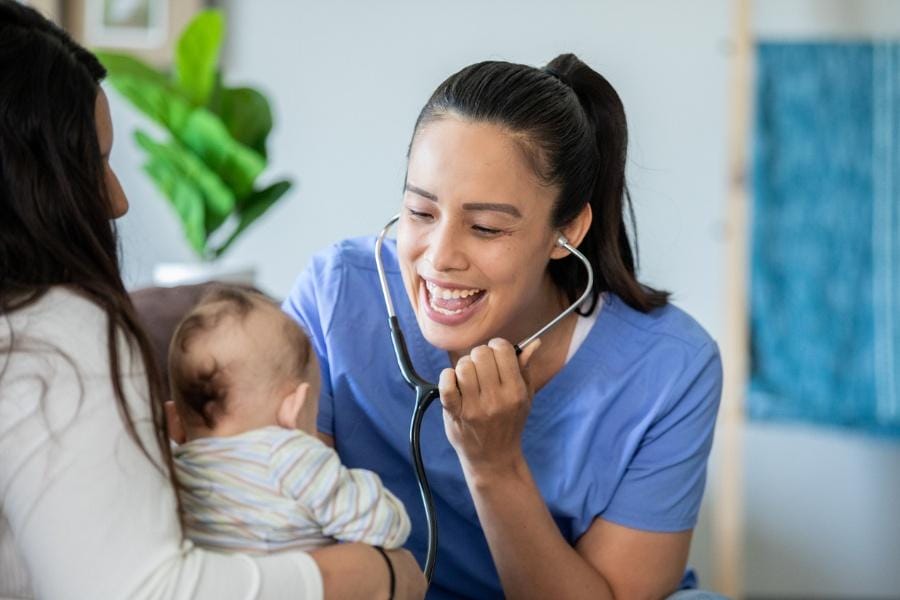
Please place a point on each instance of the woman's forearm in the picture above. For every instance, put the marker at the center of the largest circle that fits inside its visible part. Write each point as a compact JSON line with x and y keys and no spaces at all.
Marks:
{"x":531,"y":556}
{"x":351,"y":571}
{"x":357,"y":570}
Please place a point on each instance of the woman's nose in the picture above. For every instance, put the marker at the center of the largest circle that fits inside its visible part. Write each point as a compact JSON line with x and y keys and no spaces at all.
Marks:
{"x":445,"y":251}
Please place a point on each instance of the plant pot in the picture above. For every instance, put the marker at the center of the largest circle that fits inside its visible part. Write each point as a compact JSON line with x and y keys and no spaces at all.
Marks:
{"x":172,"y":274}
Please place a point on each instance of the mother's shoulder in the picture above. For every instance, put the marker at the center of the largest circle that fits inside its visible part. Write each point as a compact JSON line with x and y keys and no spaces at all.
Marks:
{"x":60,"y":309}
{"x":62,"y":324}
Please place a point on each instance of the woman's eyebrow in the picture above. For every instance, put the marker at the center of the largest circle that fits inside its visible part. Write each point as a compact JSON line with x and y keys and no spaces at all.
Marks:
{"x":508,"y":209}
{"x":420,"y":192}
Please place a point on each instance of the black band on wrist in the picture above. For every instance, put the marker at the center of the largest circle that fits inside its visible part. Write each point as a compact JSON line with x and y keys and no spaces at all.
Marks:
{"x":390,"y":566}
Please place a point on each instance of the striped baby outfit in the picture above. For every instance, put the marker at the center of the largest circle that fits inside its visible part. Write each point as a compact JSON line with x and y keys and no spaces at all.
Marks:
{"x":274,"y":489}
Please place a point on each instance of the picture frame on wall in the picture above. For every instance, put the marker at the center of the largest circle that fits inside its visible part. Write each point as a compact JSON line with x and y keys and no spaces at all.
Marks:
{"x":49,"y":8}
{"x":135,"y":24}
{"x":147,"y":29}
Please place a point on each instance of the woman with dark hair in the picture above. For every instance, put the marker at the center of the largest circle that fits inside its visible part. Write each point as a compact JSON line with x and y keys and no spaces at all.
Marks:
{"x":87,"y":501}
{"x":575,"y":470}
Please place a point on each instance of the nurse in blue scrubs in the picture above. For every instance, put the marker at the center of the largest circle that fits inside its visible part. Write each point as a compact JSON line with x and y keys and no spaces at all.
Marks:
{"x":575,"y":470}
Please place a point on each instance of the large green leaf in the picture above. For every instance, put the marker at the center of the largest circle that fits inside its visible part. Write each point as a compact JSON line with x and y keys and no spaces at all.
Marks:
{"x":159,"y":102}
{"x":253,"y":208}
{"x":236,"y":164}
{"x":184,"y":197}
{"x":247,"y":116}
{"x":208,"y":171}
{"x":198,"y":129}
{"x":186,"y":170}
{"x":197,"y":55}
{"x":124,"y":65}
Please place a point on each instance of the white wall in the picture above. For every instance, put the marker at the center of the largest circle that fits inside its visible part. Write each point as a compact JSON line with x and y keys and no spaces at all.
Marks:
{"x":347,"y":80}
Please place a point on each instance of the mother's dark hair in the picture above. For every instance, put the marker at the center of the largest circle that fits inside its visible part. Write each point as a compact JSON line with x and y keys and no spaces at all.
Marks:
{"x":55,"y":212}
{"x":572,"y":126}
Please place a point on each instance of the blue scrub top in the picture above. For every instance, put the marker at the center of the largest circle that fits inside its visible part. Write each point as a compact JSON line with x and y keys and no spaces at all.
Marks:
{"x":623,"y":431}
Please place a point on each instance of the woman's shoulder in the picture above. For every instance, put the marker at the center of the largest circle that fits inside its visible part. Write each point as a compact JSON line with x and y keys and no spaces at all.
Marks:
{"x":61,"y":322}
{"x":663,"y":345}
{"x":666,"y":323}
{"x":58,"y":313}
{"x":664,"y":359}
{"x":356,"y":253}
{"x":342,"y":273}
{"x":348,"y":264}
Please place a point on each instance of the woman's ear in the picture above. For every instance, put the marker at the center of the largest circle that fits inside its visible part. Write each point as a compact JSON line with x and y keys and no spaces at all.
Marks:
{"x":174,"y":424}
{"x":290,"y":413}
{"x":574,"y":231}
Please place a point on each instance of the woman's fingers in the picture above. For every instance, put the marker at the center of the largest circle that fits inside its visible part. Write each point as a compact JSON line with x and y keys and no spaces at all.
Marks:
{"x":512,"y":368}
{"x":485,"y":368}
{"x":486,"y":401}
{"x":505,"y":355}
{"x":451,"y":399}
{"x":467,"y":378}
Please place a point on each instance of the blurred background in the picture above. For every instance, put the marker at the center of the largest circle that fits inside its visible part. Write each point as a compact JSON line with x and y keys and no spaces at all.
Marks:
{"x":762,"y":166}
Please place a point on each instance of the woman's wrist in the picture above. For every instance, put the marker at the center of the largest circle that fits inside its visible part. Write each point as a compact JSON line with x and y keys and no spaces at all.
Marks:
{"x":392,"y":575}
{"x":486,"y":474}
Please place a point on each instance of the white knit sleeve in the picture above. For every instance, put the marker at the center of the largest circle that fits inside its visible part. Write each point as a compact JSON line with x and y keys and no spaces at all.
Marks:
{"x":91,"y":516}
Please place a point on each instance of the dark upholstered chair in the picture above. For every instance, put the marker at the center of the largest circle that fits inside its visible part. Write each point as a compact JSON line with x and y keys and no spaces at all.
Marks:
{"x":160,"y":309}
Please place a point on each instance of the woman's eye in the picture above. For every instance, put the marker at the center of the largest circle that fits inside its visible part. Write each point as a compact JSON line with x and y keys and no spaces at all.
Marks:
{"x":418,"y":215}
{"x":487,"y":231}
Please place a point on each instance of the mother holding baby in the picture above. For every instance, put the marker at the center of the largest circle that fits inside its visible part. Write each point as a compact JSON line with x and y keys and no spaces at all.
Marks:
{"x":88,"y":508}
{"x":575,"y":470}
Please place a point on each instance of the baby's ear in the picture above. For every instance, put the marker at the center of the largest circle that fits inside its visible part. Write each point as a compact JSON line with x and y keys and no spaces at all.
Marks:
{"x":173,"y":421}
{"x":289,"y":413}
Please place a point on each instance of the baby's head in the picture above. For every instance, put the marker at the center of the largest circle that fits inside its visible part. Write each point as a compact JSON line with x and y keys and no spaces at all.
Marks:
{"x":236,"y":363}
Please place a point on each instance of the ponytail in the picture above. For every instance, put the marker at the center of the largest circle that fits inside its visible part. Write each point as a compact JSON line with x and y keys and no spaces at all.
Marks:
{"x":606,"y":244}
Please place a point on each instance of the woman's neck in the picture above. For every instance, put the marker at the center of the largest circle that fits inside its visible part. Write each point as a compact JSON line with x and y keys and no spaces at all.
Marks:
{"x":550,"y":358}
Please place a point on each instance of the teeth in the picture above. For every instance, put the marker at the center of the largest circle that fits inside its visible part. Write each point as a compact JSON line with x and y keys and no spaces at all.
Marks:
{"x":448,"y":294}
{"x":444,"y":311}
{"x":436,"y":292}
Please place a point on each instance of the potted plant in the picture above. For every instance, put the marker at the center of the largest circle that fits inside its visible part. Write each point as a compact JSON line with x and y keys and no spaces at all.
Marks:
{"x":216,"y":148}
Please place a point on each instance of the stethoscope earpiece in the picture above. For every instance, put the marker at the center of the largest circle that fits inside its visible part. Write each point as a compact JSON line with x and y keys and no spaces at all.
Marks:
{"x":561,"y":241}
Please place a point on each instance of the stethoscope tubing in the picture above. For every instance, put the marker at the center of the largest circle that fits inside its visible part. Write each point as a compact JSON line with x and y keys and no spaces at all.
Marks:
{"x":427,"y":392}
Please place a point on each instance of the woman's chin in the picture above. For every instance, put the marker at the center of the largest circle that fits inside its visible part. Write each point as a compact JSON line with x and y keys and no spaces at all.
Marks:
{"x":448,"y":341}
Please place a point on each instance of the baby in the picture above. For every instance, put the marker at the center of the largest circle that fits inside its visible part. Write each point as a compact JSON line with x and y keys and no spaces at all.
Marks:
{"x":253,"y":475}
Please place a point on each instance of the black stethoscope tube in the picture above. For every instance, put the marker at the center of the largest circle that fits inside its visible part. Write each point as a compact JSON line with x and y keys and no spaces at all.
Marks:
{"x":427,"y":392}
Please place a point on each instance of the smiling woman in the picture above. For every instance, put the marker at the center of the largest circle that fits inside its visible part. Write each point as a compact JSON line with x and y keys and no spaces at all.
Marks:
{"x":575,"y":470}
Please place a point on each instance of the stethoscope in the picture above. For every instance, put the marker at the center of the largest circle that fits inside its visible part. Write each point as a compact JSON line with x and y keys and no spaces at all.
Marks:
{"x":427,"y":392}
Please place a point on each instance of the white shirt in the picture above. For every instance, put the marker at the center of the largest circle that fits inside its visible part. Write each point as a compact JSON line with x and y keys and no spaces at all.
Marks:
{"x":583,"y":327}
{"x":82,"y":511}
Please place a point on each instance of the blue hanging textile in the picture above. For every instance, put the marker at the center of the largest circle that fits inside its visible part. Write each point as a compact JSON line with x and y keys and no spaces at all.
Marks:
{"x":825,"y":272}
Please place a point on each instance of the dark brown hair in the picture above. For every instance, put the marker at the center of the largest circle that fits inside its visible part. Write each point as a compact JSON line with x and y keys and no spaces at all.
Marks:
{"x":575,"y":134}
{"x":55,"y":227}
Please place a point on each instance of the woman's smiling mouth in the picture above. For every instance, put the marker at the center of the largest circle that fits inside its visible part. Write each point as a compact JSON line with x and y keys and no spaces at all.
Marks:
{"x":449,"y":305}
